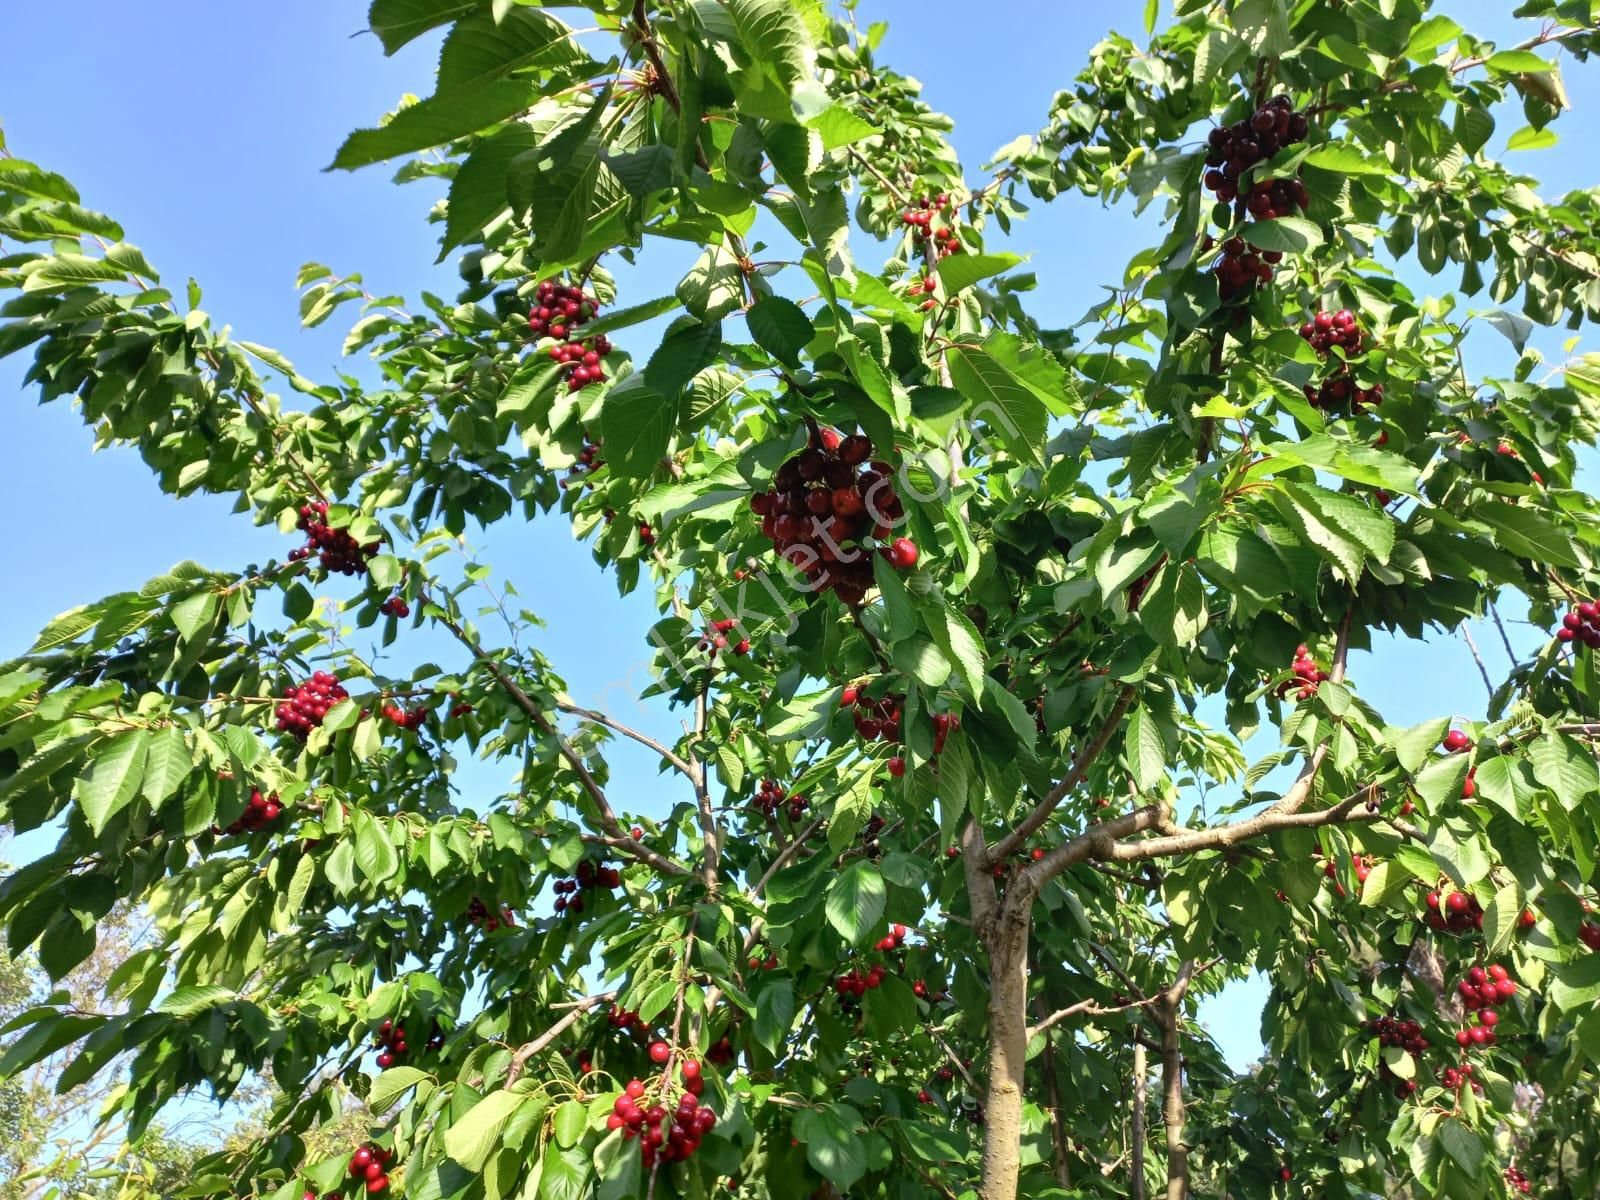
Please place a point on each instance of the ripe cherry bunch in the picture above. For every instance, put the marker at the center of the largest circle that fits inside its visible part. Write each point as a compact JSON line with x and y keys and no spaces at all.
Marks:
{"x":395,"y":606}
{"x":397,"y":714}
{"x":1482,"y":989}
{"x":1391,"y":1031}
{"x":764,"y":959}
{"x":479,"y":914}
{"x":1516,"y":1179}
{"x":1582,"y":625}
{"x":368,"y":1164}
{"x":337,"y":552}
{"x":664,"y":1135}
{"x":304,"y":705}
{"x":1457,"y":1077}
{"x":1459,"y":742}
{"x":854,"y":984}
{"x":921,"y":220}
{"x":716,"y":638}
{"x":561,"y":309}
{"x":770,"y":796}
{"x":624,"y":1019}
{"x":1361,"y":865}
{"x":586,"y":878}
{"x":1238,"y":267}
{"x":1455,"y":913}
{"x":893,"y":940}
{"x":875,"y":719}
{"x":390,"y":1044}
{"x":1307,"y":674}
{"x":1233,"y":149}
{"x":1338,"y":390}
{"x":824,"y":502}
{"x":589,"y":460}
{"x":259,"y":813}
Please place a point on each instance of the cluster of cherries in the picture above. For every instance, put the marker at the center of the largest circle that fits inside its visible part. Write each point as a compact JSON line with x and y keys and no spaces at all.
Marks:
{"x":1582,"y":624}
{"x":1273,"y":198}
{"x":663,"y":1136}
{"x":824,"y":501}
{"x":1455,"y":913}
{"x":411,"y":719}
{"x":479,"y":914}
{"x":921,"y":218}
{"x":1360,"y":864}
{"x":390,"y":1044}
{"x":586,"y":878}
{"x":395,"y":606}
{"x":1481,"y":990}
{"x":1237,"y":268}
{"x":1391,"y":1031}
{"x":337,"y":552}
{"x":893,"y":940}
{"x":770,"y":796}
{"x":854,"y":984}
{"x":1516,"y":1179}
{"x":1306,"y":674}
{"x":304,"y":705}
{"x":369,"y":1165}
{"x":1454,"y":1077}
{"x":1324,"y":331}
{"x":875,"y":719}
{"x":624,"y":1019}
{"x":1457,"y":742}
{"x":869,"y":838}
{"x":716,"y":638}
{"x":1234,"y":149}
{"x":588,"y":460}
{"x":763,"y":962}
{"x":261,"y":812}
{"x":561,"y":309}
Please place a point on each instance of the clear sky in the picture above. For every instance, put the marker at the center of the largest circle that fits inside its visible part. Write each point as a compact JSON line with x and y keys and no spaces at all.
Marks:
{"x":204,"y":129}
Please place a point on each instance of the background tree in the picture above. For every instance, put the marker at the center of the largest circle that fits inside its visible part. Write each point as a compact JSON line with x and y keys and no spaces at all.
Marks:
{"x":1015,"y":659}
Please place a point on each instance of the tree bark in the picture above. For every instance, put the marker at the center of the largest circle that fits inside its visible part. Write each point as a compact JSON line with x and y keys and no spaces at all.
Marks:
{"x":1141,"y":1071}
{"x":1169,"y":1014}
{"x":1008,"y":1042}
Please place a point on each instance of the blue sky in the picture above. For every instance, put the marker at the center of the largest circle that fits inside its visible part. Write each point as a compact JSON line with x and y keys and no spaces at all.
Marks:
{"x":205,"y":128}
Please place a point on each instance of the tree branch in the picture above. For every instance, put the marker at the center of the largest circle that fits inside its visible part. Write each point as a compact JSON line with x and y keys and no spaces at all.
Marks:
{"x":528,"y":1049}
{"x":712,"y":859}
{"x":1013,"y":841}
{"x":607,"y":816}
{"x":682,"y":765}
{"x":1170,"y":1018}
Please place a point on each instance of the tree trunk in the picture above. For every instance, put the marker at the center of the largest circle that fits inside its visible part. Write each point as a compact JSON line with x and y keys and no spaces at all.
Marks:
{"x":1169,"y":1013}
{"x":1141,"y":1071}
{"x":1008,"y":1045}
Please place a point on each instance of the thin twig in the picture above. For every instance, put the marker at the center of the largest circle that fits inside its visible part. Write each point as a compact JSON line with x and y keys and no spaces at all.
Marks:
{"x":1466,"y":635}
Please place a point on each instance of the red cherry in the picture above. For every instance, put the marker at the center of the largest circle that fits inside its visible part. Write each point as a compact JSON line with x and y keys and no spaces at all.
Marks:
{"x":903,"y":554}
{"x":377,"y":1183}
{"x":690,"y":1069}
{"x":660,"y":1052}
{"x":897,"y":766}
{"x":1456,"y":741}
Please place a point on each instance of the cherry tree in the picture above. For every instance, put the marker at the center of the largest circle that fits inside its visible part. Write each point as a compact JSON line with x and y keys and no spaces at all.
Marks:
{"x":1014,"y":656}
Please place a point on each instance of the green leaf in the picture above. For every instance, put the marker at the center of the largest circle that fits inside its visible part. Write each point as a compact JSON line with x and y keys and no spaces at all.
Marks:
{"x":434,"y":121}
{"x":1567,"y":768}
{"x":688,"y":348}
{"x":478,"y":193}
{"x":388,"y":1086}
{"x":475,"y":1136}
{"x":481,"y":50}
{"x":1461,"y":1144}
{"x":1145,"y":751}
{"x":962,"y":644}
{"x":195,"y":615}
{"x":931,"y":1143}
{"x":899,"y":612}
{"x":1291,"y":235}
{"x":774,"y":1013}
{"x":376,"y":857}
{"x":1430,"y":35}
{"x":112,"y":779}
{"x":856,"y":900}
{"x":397,"y":22}
{"x":167,"y":764}
{"x":571,"y":1119}
{"x":714,"y":286}
{"x":1529,"y":138}
{"x":1502,"y":918}
{"x":838,"y":127}
{"x":1518,"y":62}
{"x":1345,"y":159}
{"x":190,"y":1001}
{"x":1415,"y":745}
{"x":781,"y":328}
{"x":832,"y":1145}
{"x":564,"y":1174}
{"x":638,"y":422}
{"x":960,"y":271}
{"x":1001,"y":401}
{"x":1460,"y":855}
{"x":1525,"y":533}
